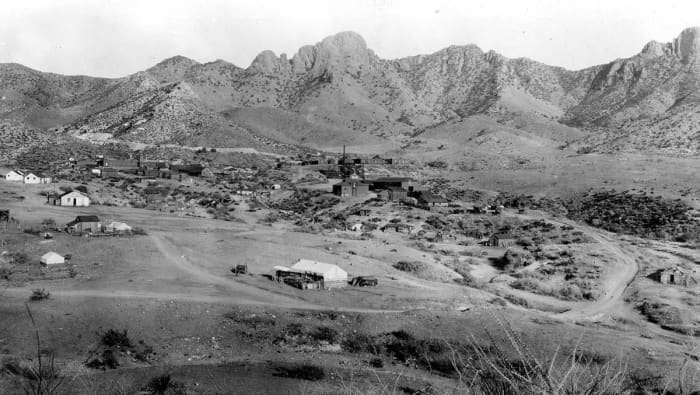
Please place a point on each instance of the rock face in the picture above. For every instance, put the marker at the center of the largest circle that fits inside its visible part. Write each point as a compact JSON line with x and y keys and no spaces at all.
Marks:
{"x":687,"y":45}
{"x":340,"y":85}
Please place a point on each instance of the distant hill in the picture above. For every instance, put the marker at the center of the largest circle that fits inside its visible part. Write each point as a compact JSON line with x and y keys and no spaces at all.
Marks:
{"x":338,"y":91}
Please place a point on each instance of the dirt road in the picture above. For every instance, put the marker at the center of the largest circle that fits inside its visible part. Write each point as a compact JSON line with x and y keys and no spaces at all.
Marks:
{"x":613,"y":285}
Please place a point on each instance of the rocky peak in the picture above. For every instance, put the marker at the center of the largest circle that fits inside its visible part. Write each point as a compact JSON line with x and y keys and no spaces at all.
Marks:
{"x":687,"y":45}
{"x":267,"y":63}
{"x":177,"y":60}
{"x":655,"y":49}
{"x":343,"y":52}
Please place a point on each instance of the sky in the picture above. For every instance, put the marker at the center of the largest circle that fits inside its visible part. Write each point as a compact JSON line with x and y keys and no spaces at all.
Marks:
{"x":114,"y":38}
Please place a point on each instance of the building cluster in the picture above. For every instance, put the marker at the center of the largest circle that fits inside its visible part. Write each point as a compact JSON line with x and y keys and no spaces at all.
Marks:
{"x":26,"y":177}
{"x":145,"y":168}
{"x":90,"y":224}
{"x":392,"y":189}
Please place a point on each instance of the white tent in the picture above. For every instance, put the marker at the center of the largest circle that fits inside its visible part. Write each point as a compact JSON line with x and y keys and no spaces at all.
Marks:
{"x":333,"y":276}
{"x":356,"y":228}
{"x":52,"y":258}
{"x":118,"y":227}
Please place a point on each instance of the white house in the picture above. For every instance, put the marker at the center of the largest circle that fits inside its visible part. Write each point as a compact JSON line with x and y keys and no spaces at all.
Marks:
{"x":52,"y":258}
{"x":14,"y":175}
{"x":31,"y":178}
{"x":75,"y":199}
{"x":333,"y":276}
{"x":37,"y":178}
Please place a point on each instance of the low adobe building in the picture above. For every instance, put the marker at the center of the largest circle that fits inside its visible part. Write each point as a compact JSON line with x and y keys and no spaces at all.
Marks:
{"x":675,"y":276}
{"x":73,"y":199}
{"x":331,"y":275}
{"x":503,"y":240}
{"x":350,"y":188}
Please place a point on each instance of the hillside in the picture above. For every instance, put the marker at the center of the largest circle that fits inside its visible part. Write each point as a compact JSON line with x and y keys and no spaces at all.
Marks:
{"x":338,"y":91}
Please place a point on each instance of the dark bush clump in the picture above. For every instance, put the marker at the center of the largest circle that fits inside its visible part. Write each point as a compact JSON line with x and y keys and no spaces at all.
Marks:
{"x":301,"y":372}
{"x":113,"y":338}
{"x":39,"y":294}
{"x":361,"y":343}
{"x":324,"y":333}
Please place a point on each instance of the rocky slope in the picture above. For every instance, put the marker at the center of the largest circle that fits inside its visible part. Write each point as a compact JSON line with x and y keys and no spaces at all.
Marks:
{"x":339,"y":91}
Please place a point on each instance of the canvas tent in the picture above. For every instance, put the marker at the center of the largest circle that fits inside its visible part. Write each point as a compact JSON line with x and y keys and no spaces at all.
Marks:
{"x":52,"y":258}
{"x":333,"y":276}
{"x":118,"y":227}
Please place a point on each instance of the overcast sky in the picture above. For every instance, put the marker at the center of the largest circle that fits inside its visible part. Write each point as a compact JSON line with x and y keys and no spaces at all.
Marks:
{"x":114,"y":38}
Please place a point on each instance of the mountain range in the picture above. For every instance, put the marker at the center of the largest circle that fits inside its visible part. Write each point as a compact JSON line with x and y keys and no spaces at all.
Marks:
{"x":339,"y":91}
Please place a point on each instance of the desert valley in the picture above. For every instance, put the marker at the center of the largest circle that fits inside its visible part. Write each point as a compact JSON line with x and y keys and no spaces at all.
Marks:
{"x":338,"y":223}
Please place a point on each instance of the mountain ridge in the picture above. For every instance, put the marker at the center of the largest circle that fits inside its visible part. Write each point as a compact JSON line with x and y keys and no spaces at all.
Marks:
{"x":340,"y":84}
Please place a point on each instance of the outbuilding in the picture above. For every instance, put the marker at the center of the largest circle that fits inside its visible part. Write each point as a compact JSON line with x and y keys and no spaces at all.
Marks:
{"x":332,"y":275}
{"x":351,"y":187}
{"x":503,"y":240}
{"x":118,"y":227}
{"x":75,"y":199}
{"x":52,"y":258}
{"x":14,"y":175}
{"x":675,"y":276}
{"x":84,"y":224}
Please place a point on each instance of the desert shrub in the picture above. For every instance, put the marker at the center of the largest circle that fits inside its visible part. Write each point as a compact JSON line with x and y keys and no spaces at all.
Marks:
{"x":82,"y":188}
{"x":114,"y":338}
{"x":254,"y":321}
{"x":18,"y":258}
{"x":39,"y":294}
{"x":376,"y":363}
{"x":587,"y":357}
{"x":159,"y":385}
{"x":357,"y":343}
{"x":138,"y":231}
{"x":108,"y":360}
{"x":49,"y":222}
{"x":301,"y":372}
{"x":571,"y":291}
{"x":411,"y":267}
{"x":510,"y":260}
{"x":438,"y":164}
{"x":516,"y":300}
{"x":325,"y":334}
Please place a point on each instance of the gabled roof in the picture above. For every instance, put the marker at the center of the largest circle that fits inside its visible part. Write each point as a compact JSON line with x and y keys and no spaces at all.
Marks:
{"x":83,"y":219}
{"x":350,"y":182}
{"x":77,"y":192}
{"x":186,"y":168}
{"x":393,"y":179}
{"x":321,"y":268}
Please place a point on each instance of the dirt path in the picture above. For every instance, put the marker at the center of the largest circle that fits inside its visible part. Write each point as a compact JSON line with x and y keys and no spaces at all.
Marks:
{"x":613,"y":286}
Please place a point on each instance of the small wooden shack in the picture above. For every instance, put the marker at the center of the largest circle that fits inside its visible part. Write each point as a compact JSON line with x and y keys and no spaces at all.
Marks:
{"x":84,"y":224}
{"x":503,"y":240}
{"x":675,"y":276}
